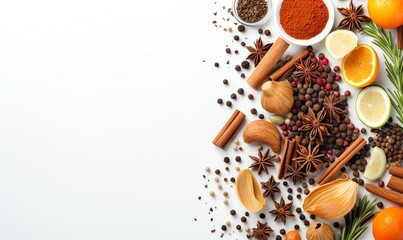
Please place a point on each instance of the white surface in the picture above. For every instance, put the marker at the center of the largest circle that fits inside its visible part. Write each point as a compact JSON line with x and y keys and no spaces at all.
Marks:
{"x":107,"y":117}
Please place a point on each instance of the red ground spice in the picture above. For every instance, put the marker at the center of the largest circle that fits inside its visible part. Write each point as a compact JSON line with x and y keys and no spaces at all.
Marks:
{"x":303,"y":19}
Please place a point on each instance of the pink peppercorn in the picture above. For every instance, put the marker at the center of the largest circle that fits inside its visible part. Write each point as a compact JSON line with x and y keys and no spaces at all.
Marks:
{"x":330,"y":152}
{"x":347,"y":93}
{"x":312,"y":54}
{"x":283,"y":127}
{"x":350,"y":126}
{"x":325,"y":61}
{"x":346,"y":111}
{"x":337,"y":93}
{"x":345,"y":143}
{"x":337,"y":78}
{"x":307,"y":97}
{"x":285,"y":133}
{"x":331,"y":159}
{"x":328,"y":86}
{"x":298,"y":122}
{"x":294,"y":111}
{"x":294,"y":84}
{"x":319,"y":81}
{"x":320,"y":68}
{"x":356,"y":130}
{"x":276,"y":159}
{"x":296,"y":79}
{"x":314,"y":60}
{"x":336,"y":68}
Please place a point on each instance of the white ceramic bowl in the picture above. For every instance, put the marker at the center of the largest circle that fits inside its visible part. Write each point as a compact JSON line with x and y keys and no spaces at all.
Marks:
{"x":305,"y":42}
{"x":255,"y":24}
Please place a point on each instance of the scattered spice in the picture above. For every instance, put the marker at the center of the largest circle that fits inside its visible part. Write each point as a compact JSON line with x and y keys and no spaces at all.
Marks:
{"x":262,"y":162}
{"x":353,"y":17}
{"x":309,"y":158}
{"x":251,"y":11}
{"x":303,"y":19}
{"x":314,"y":124}
{"x":270,"y":187}
{"x":282,"y":210}
{"x":306,"y":70}
{"x":258,"y":52}
{"x":262,"y":231}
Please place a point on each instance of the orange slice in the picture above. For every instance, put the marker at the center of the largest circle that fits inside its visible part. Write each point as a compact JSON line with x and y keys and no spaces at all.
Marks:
{"x":360,"y":67}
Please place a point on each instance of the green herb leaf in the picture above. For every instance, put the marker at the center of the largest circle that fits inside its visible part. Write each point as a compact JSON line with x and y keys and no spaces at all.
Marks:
{"x":356,"y":219}
{"x":394,"y":64}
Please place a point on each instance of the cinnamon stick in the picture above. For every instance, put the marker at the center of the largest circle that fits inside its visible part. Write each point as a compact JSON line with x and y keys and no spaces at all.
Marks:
{"x":341,"y":161}
{"x":385,"y":193}
{"x":400,"y":37}
{"x":283,"y":159}
{"x":288,"y":73}
{"x":280,"y":72}
{"x":288,"y":157}
{"x":396,"y":171}
{"x":395,"y":183}
{"x":270,"y":59}
{"x":298,"y":140}
{"x":229,"y":129}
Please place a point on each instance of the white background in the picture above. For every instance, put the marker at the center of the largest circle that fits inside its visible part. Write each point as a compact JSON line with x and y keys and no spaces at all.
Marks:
{"x":107,"y":113}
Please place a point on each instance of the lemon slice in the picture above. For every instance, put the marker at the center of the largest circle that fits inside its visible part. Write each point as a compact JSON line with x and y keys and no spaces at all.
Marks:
{"x":376,"y":165}
{"x":340,"y":42}
{"x":373,"y":106}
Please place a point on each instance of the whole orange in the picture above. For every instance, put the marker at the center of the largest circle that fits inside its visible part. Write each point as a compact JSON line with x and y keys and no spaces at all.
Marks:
{"x":386,"y":13}
{"x":388,"y":224}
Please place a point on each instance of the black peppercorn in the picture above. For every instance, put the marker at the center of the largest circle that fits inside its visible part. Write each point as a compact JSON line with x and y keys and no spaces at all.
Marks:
{"x":233,"y":96}
{"x":261,"y":116}
{"x":241,"y":28}
{"x":219,"y":101}
{"x":250,"y":96}
{"x":238,"y":68}
{"x":238,"y":158}
{"x":225,"y":81}
{"x":296,"y":226}
{"x":232,"y":179}
{"x":228,"y":103}
{"x":262,"y":215}
{"x":253,"y":111}
{"x":224,"y":228}
{"x":233,"y":212}
{"x":226,"y":159}
{"x":267,"y":32}
{"x":216,"y":64}
{"x":243,"y":219}
{"x":260,"y":31}
{"x":278,"y":237}
{"x":240,"y":91}
{"x":236,"y":37}
{"x":282,"y":231}
{"x":336,"y":225}
{"x":245,"y":64}
{"x":228,"y":50}
{"x":379,"y":205}
{"x":298,"y":210}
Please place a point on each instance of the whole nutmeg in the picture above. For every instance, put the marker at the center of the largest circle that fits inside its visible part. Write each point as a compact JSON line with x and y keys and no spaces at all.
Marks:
{"x":319,"y":231}
{"x":277,"y":97}
{"x":293,"y":235}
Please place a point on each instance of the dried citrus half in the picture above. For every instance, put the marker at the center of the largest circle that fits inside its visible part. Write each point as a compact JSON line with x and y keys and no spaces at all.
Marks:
{"x":360,"y":66}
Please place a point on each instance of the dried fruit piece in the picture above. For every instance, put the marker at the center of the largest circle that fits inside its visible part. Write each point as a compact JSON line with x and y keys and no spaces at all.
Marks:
{"x":265,"y":132}
{"x":319,"y":231}
{"x":249,"y":192}
{"x":293,"y":235}
{"x":332,"y":200}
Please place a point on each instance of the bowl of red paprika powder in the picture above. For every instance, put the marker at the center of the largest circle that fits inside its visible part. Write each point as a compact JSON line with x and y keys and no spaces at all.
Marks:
{"x":304,"y":22}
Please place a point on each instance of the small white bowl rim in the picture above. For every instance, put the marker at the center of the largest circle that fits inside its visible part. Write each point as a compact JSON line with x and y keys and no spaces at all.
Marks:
{"x":261,"y":22}
{"x":305,"y":42}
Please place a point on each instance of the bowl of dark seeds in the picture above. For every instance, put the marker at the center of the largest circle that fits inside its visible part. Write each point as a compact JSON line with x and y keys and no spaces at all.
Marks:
{"x":252,"y":12}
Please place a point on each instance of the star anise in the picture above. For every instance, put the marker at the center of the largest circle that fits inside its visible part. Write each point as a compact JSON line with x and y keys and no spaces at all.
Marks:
{"x":330,"y":105}
{"x":309,"y":158}
{"x":258,"y":52}
{"x":262,"y":231}
{"x":306,"y":70}
{"x":296,"y":173}
{"x":262,"y":162}
{"x":282,"y":210}
{"x":314,"y":124}
{"x":270,"y":187}
{"x":353,"y":17}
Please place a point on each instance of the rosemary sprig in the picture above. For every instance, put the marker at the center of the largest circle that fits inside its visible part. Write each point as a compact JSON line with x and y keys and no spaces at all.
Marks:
{"x":356,"y":219}
{"x":394,"y":64}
